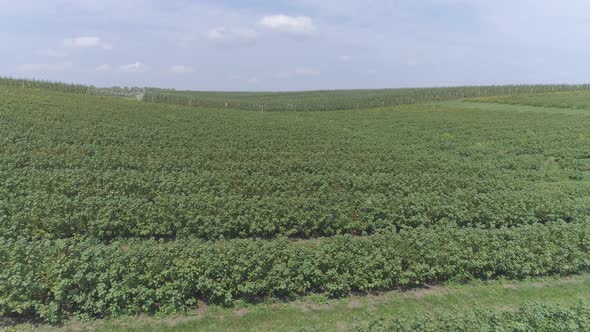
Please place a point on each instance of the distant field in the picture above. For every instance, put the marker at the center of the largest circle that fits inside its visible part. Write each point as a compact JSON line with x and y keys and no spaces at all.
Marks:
{"x":121,"y":92}
{"x":569,"y":99}
{"x":520,"y":108}
{"x":341,"y":99}
{"x":113,"y":207}
{"x":320,"y":100}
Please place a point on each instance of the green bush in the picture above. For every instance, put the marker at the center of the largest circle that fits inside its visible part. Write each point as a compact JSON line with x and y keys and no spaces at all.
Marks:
{"x":53,"y":279}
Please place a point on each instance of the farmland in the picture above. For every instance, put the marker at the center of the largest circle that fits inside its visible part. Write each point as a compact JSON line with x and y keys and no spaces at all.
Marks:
{"x":112,"y":207}
{"x":330,"y":100}
{"x":566,"y":100}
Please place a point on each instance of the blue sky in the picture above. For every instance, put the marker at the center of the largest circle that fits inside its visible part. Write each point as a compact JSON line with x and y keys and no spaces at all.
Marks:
{"x":296,"y":44}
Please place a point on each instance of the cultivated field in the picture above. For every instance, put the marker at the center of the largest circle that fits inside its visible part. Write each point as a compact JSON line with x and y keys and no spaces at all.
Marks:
{"x":330,"y":100}
{"x":113,"y":207}
{"x":566,"y":100}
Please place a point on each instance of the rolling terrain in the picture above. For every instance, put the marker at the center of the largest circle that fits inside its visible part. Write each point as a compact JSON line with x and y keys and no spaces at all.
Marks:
{"x":112,"y":207}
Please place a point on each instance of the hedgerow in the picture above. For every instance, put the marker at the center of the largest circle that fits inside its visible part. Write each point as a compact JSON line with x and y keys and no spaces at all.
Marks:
{"x":46,"y":85}
{"x":52,"y":279}
{"x":90,"y":90}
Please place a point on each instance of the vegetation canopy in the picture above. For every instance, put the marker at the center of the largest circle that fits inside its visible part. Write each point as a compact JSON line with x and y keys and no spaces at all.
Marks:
{"x":112,"y":206}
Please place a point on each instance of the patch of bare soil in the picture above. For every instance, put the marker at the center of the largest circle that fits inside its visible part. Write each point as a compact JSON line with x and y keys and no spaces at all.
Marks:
{"x":342,"y":327}
{"x":354,"y":303}
{"x":202,"y":308}
{"x":311,"y":306}
{"x":428,"y":290}
{"x":240,"y":312}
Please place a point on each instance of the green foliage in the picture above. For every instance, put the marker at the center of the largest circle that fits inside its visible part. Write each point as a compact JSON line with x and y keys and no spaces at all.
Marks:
{"x":330,"y":100}
{"x":530,"y":317}
{"x":46,"y":85}
{"x":122,"y":92}
{"x":111,"y":207}
{"x":77,"y":166}
{"x":52,"y":279}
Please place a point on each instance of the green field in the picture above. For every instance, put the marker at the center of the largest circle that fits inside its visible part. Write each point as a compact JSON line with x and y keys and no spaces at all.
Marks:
{"x":576,"y":100}
{"x":112,"y":207}
{"x":330,"y":100}
{"x":110,"y":169}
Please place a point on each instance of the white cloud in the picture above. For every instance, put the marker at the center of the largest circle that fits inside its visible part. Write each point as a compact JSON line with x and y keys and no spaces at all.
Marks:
{"x":136,"y":67}
{"x":52,"y":53}
{"x":104,"y":67}
{"x":225,"y":35}
{"x":87,"y":42}
{"x":283,"y":75}
{"x":249,"y":80}
{"x":298,"y":25}
{"x":299,"y":71}
{"x":181,"y":69}
{"x":344,"y":58}
{"x":304,"y":71}
{"x":44,"y":67}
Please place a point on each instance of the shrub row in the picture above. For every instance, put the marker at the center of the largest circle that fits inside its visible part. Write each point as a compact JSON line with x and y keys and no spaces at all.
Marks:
{"x":530,"y":317}
{"x":35,"y":214}
{"x":46,"y":85}
{"x":53,"y":279}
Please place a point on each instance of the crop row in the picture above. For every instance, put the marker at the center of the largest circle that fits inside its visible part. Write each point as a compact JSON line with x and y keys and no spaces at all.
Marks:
{"x":53,"y":279}
{"x":70,"y":211}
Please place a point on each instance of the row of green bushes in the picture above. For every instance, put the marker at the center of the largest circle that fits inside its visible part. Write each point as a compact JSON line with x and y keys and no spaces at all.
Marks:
{"x":124,"y":92}
{"x":46,"y":85}
{"x":530,"y":317}
{"x":53,"y":279}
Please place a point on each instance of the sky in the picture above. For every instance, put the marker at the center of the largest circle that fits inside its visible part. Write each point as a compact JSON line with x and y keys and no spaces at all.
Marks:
{"x":253,"y":45}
